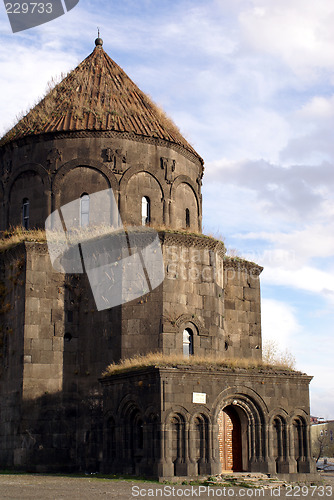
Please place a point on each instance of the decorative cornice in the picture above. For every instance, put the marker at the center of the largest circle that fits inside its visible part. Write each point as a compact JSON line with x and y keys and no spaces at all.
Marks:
{"x":111,"y":134}
{"x":189,"y":240}
{"x":242,"y":265}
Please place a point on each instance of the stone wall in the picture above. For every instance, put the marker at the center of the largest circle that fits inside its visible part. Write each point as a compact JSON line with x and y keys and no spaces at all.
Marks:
{"x":167,"y":425}
{"x":56,"y":344}
{"x":52,"y":170}
{"x":193,"y":294}
{"x":12,"y":316}
{"x":243,"y":308}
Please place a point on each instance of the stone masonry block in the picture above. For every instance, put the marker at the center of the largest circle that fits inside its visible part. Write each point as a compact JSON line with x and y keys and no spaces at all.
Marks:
{"x":41,"y":344}
{"x":251,"y":294}
{"x":32,"y":331}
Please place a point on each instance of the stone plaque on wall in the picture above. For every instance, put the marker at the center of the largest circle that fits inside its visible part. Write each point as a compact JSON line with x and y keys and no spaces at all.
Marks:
{"x":199,"y":397}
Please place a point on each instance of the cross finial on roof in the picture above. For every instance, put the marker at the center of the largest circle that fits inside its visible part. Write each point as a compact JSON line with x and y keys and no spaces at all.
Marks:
{"x":98,"y":41}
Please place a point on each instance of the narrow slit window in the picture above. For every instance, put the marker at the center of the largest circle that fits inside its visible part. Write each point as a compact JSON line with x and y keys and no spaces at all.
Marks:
{"x":187,"y":217}
{"x":25,"y":213}
{"x":84,"y":210}
{"x":145,"y":211}
{"x":188,"y":343}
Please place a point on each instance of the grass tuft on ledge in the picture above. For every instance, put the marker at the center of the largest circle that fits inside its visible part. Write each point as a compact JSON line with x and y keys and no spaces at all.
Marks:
{"x":160,"y":360}
{"x":16,"y":235}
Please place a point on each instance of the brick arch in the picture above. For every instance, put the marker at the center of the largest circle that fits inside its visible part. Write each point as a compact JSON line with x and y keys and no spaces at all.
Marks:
{"x":84,"y":162}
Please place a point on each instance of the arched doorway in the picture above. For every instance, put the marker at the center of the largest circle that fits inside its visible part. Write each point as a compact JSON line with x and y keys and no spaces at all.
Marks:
{"x":230,"y":439}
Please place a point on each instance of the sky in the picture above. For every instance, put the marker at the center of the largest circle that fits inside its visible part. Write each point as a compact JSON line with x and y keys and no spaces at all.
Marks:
{"x":250,"y":83}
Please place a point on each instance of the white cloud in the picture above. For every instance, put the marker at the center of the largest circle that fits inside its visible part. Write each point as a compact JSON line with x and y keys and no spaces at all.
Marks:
{"x":299,"y":32}
{"x":307,"y":279}
{"x":298,"y":193}
{"x":312,"y":126}
{"x":279,"y":323}
{"x":296,"y":247}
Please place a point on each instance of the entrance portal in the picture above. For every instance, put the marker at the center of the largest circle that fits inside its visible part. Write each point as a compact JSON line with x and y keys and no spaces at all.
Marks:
{"x":230,"y":440}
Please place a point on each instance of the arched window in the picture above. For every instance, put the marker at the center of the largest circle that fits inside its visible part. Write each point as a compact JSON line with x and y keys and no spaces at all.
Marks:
{"x":188,"y":342}
{"x":84,"y":210}
{"x":187,"y":217}
{"x":145,"y":211}
{"x":25,"y":213}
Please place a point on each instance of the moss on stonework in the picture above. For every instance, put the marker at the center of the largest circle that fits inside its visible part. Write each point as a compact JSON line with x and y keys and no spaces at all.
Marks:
{"x":160,"y":360}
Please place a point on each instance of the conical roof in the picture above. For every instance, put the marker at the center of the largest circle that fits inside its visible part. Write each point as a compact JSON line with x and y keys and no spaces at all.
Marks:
{"x":97,"y":96}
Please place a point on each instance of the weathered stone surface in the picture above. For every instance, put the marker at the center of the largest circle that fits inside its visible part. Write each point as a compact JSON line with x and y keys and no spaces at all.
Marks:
{"x":54,"y":343}
{"x":174,"y":419}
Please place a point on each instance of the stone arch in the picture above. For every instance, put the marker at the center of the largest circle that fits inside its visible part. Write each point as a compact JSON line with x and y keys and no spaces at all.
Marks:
{"x":31,"y":182}
{"x":185,"y":322}
{"x":177,"y":409}
{"x":188,"y":319}
{"x":300,"y":444}
{"x":142,"y":184}
{"x":186,"y":209}
{"x":152,"y":434}
{"x":109,"y":177}
{"x":36,"y":167}
{"x":178,"y":443}
{"x":201,"y":446}
{"x":180,"y":179}
{"x":110,"y":447}
{"x":279,"y":442}
{"x":277,"y":412}
{"x":247,"y":394}
{"x":140,"y":168}
{"x":247,"y":411}
{"x":131,"y":416}
{"x":129,"y":401}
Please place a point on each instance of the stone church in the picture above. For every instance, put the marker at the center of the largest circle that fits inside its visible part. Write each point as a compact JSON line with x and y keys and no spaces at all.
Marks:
{"x":96,"y":131}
